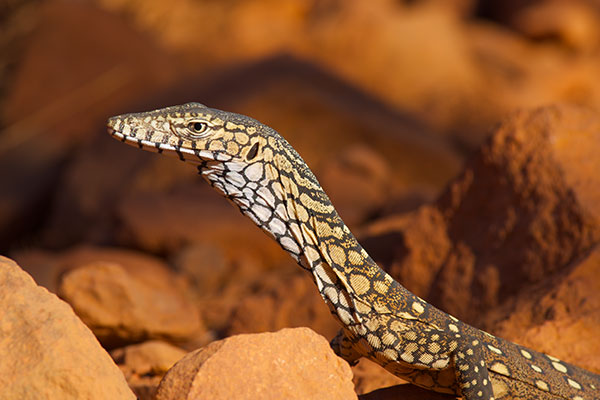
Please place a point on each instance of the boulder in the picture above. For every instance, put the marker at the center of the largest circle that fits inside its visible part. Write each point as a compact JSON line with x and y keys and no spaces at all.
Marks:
{"x":558,"y":317}
{"x":122,"y":308}
{"x":145,"y":364}
{"x":523,"y":208}
{"x":46,"y":351}
{"x":289,"y":364}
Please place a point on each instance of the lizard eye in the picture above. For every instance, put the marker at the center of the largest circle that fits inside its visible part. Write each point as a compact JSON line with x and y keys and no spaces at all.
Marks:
{"x":197,"y":127}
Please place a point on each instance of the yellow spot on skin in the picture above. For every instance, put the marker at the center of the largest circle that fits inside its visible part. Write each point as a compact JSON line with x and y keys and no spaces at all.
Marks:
{"x":338,"y":256}
{"x":470,"y":352}
{"x":241,"y":138}
{"x":355,"y":258}
{"x":434,"y":347}
{"x":360,"y":284}
{"x":380,"y":287}
{"x":411,"y":347}
{"x":574,"y":384}
{"x":559,"y":367}
{"x":301,"y":213}
{"x":388,"y":339}
{"x":577,"y":398}
{"x":536,"y":368}
{"x":251,"y":130}
{"x":542,"y":385}
{"x":552,"y":358}
{"x":494,"y":349}
{"x":227,"y":136}
{"x":374,"y":341}
{"x":408,"y":357}
{"x":526,"y":354}
{"x":216,"y":145}
{"x":231,"y":126}
{"x":453,"y":328}
{"x":410,"y":335}
{"x":344,"y":316}
{"x":441,"y":363}
{"x":426,"y":358}
{"x":500,"y":388}
{"x":363,"y":308}
{"x":390,"y":354}
{"x":232,"y":148}
{"x":475,"y":342}
{"x":418,"y":308}
{"x":500,"y":369}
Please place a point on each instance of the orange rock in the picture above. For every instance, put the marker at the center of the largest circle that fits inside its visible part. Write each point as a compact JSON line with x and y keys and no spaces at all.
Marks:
{"x":369,"y":376}
{"x":405,"y":392}
{"x":523,"y":208}
{"x":273,"y":305}
{"x":145,"y":364}
{"x":289,"y":364}
{"x":574,"y":23}
{"x":46,"y":351}
{"x":410,"y":246}
{"x":47,"y":267}
{"x":357,"y":181}
{"x":122,"y":308}
{"x":560,"y":316}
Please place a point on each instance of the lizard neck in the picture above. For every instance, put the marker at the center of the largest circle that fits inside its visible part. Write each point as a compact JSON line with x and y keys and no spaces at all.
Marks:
{"x":284,"y":199}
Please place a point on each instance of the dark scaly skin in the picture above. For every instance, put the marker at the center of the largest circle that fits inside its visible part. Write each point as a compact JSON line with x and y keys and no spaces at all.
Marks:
{"x":258,"y":171}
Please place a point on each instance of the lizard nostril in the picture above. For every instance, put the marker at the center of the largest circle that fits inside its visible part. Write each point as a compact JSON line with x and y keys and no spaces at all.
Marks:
{"x":252,"y":152}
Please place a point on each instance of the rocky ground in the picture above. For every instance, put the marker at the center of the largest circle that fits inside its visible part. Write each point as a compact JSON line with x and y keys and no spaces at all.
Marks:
{"x":456,"y":139}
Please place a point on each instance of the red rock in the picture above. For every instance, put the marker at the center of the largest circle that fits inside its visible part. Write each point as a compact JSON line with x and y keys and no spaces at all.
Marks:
{"x":523,"y":208}
{"x":358,"y":183}
{"x":559,"y":316}
{"x":369,"y":376}
{"x":122,"y":308}
{"x":405,"y":392}
{"x":273,"y":305}
{"x":46,"y":351}
{"x":573,"y":23}
{"x":289,"y":364}
{"x":145,"y":364}
{"x":48,"y":267}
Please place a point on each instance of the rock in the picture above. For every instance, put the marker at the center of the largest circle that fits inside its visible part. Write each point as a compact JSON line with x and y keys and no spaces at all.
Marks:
{"x":369,"y":376}
{"x":358,"y":183}
{"x":410,"y":246}
{"x":274,"y":303}
{"x":205,"y":266}
{"x":46,"y":351}
{"x":145,"y":364}
{"x":122,"y":308}
{"x":573,"y":23}
{"x":160,"y":221}
{"x":289,"y":364}
{"x":405,"y":392}
{"x":523,"y":208}
{"x":82,"y":85}
{"x":559,"y":316}
{"x":47,"y":268}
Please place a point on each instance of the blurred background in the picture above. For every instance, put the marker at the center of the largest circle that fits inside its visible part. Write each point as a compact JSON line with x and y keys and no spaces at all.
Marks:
{"x":385,"y":100}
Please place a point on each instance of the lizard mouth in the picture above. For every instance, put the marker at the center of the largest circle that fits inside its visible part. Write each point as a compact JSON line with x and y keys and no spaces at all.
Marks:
{"x":195,"y":156}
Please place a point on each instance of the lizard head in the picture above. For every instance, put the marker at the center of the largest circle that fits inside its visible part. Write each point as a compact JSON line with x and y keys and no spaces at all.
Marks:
{"x":195,"y":133}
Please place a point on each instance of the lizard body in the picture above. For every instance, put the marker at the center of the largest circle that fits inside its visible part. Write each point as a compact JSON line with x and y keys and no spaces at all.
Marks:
{"x":259,"y":172}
